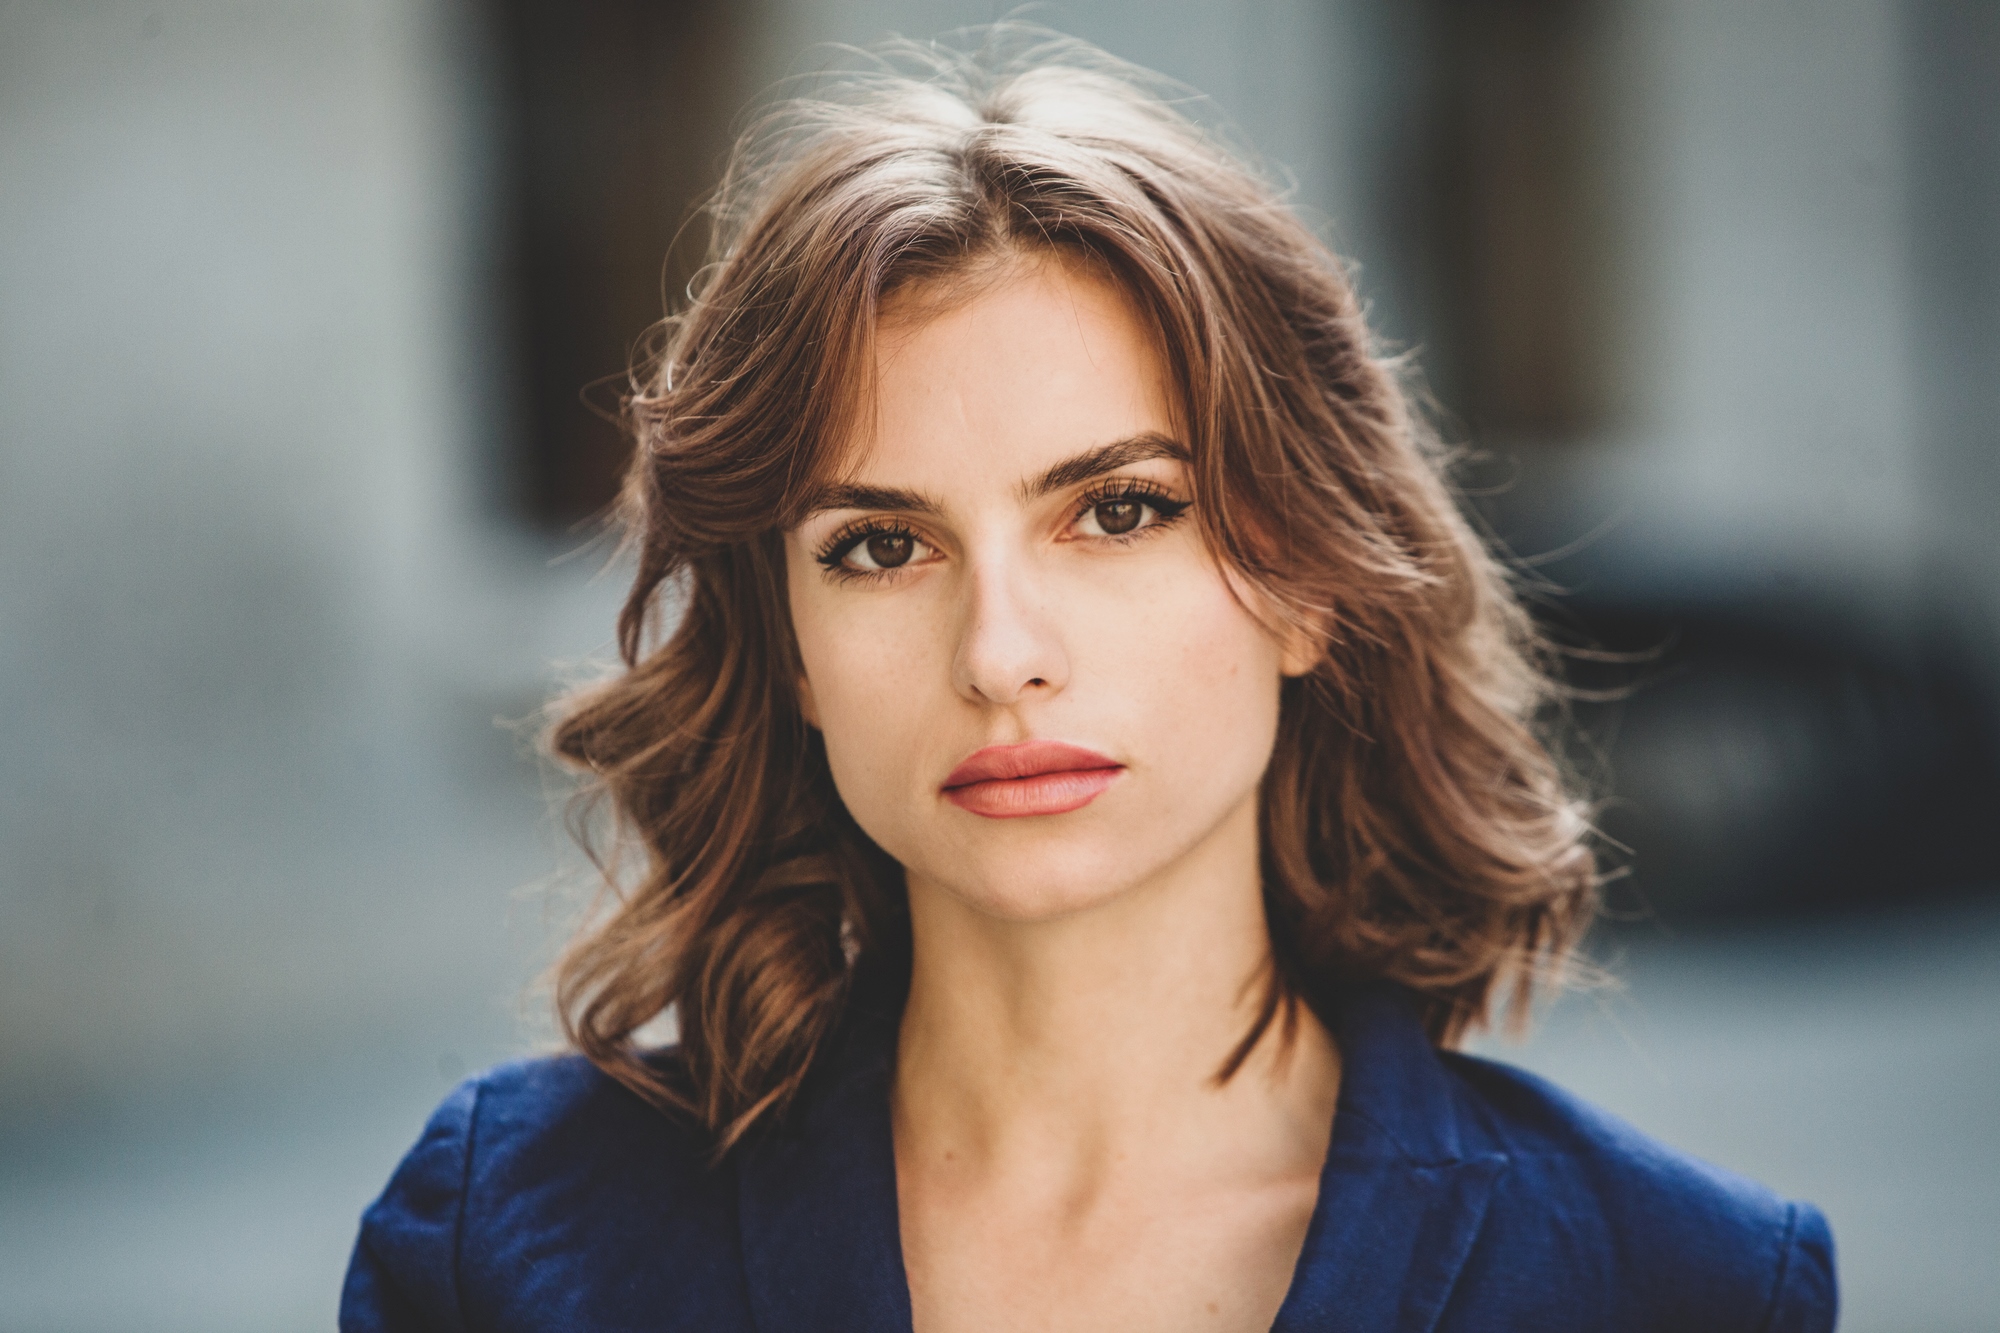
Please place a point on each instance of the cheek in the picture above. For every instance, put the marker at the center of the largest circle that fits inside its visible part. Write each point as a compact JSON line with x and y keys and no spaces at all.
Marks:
{"x":869,"y":669}
{"x":1199,"y":674}
{"x":1187,"y":633}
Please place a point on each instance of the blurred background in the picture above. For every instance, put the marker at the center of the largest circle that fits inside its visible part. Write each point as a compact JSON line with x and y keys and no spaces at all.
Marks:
{"x":299,"y":304}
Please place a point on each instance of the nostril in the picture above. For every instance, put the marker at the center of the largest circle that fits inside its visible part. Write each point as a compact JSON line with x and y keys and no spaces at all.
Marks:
{"x":1038,"y":681}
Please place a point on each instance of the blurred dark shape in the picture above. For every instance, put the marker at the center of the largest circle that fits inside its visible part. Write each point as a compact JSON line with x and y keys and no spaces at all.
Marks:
{"x":1768,"y":756}
{"x":615,"y":122}
{"x":1509,"y":216}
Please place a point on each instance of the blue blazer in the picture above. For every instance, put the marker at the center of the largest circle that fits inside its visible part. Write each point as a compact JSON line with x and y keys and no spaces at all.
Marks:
{"x":1458,"y":1195}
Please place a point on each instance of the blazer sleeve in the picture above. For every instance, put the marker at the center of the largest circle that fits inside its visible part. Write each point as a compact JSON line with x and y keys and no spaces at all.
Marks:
{"x":403,"y":1276}
{"x":1806,"y":1299}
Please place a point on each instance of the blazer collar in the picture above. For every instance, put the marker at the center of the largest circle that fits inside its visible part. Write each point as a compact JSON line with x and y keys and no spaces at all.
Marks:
{"x":1403,"y":1193}
{"x":816,"y":1199}
{"x":1401,"y":1198}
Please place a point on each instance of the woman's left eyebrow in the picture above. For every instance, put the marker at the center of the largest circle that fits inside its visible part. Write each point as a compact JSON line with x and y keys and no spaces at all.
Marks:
{"x":1105,"y":458}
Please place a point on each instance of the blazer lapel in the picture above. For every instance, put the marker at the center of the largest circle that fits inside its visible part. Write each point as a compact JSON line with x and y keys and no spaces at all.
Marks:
{"x":822,"y":1249}
{"x":1402,"y":1197}
{"x":1400,"y":1204}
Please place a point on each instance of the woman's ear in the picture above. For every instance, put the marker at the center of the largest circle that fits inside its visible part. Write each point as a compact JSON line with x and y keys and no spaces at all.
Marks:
{"x":807,"y":708}
{"x":1303,"y":643}
{"x":1302,"y":647}
{"x":1302,"y":636}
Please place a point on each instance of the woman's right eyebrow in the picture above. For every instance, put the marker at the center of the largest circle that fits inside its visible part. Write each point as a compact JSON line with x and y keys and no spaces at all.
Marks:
{"x":842,"y":495}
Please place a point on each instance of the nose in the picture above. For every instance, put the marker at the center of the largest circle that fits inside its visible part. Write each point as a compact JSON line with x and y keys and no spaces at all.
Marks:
{"x":1008,"y":650}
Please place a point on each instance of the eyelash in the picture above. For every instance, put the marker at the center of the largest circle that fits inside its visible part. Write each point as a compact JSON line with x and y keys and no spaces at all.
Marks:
{"x":832,"y":553}
{"x":1150,"y":494}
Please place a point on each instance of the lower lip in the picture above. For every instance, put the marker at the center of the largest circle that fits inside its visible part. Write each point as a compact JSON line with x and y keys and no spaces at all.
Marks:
{"x":1043,"y":794}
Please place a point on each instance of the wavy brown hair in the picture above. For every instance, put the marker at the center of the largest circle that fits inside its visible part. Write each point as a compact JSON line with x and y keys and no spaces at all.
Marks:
{"x":1414,"y":826}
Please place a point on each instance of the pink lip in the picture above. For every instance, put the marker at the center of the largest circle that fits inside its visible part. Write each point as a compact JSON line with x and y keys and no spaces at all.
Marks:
{"x":1033,"y":778}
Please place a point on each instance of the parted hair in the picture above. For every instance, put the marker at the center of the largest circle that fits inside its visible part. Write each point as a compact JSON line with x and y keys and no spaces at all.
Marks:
{"x":1415,"y":826}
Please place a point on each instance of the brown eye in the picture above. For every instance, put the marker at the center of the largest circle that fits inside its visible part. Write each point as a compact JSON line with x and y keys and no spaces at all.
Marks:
{"x":1115,"y":517}
{"x":887,"y":550}
{"x":876,"y":552}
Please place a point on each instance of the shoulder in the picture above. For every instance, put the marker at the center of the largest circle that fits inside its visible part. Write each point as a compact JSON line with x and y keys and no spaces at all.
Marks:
{"x":1659,"y":1238}
{"x":561,"y":1115}
{"x":526,"y":1190}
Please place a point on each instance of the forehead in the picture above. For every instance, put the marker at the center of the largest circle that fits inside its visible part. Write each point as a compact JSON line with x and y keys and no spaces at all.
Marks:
{"x":1040,"y":358}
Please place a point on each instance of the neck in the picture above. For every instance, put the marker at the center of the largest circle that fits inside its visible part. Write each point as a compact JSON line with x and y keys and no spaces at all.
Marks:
{"x":1063,"y":1046}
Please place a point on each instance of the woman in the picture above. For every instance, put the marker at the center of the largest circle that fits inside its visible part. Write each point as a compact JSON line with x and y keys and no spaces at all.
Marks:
{"x":1081,"y":769}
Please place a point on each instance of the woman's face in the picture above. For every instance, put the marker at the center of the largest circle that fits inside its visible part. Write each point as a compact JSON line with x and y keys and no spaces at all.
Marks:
{"x":1036,"y":688}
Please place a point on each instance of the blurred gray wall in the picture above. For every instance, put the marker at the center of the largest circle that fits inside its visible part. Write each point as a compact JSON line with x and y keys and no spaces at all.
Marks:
{"x":1761,"y":169}
{"x":251,"y":618}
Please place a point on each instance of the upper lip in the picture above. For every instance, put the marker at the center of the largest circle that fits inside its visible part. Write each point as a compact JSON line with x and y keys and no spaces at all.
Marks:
{"x":1027,"y":760}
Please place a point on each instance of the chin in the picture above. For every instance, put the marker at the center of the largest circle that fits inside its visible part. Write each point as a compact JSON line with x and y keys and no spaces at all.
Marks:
{"x":1027,"y":903}
{"x":1044,"y":882}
